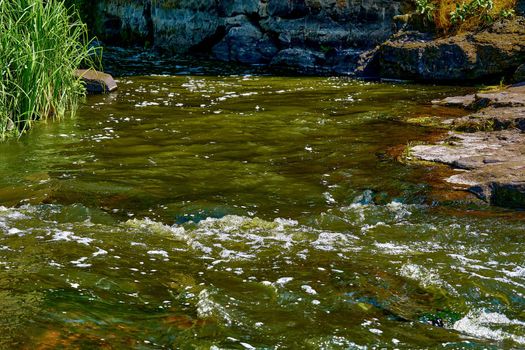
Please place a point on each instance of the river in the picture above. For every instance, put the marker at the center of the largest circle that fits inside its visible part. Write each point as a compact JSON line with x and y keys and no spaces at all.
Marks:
{"x":249,"y":211}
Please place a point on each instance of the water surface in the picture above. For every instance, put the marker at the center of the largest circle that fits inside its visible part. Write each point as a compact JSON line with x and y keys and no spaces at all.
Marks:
{"x":249,"y":211}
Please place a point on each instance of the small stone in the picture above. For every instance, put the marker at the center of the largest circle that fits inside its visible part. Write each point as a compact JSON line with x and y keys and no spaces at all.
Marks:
{"x":96,"y":82}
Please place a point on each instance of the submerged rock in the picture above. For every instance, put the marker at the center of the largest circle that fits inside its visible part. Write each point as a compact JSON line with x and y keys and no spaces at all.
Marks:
{"x":96,"y":82}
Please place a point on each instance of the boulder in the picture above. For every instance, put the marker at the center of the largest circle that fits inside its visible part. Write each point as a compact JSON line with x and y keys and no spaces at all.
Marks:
{"x":456,"y":101}
{"x":492,"y":119}
{"x":343,"y":62}
{"x":96,"y":82}
{"x":489,"y":54}
{"x":513,"y":96}
{"x":245,"y":43}
{"x":179,"y":29}
{"x":299,"y":60}
{"x":118,"y":22}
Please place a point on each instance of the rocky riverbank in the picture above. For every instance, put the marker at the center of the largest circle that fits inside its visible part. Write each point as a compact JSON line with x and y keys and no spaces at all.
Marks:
{"x":491,"y":54}
{"x":487,"y":147}
{"x":366,"y":38}
{"x":307,"y":36}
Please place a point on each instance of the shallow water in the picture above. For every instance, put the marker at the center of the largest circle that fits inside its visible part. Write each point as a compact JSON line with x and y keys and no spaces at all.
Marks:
{"x":242,"y":212}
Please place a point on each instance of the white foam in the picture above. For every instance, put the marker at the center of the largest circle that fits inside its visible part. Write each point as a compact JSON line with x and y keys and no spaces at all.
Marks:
{"x":283,"y":280}
{"x":100,"y":251}
{"x":329,"y":241}
{"x":80,"y":262}
{"x":159,"y":252}
{"x":517,"y":272}
{"x":206,"y":308}
{"x":70,"y":236}
{"x":14,"y":231}
{"x":393,"y":249}
{"x":425,"y":277}
{"x":481,"y":324}
{"x":146,"y":104}
{"x":309,"y":289}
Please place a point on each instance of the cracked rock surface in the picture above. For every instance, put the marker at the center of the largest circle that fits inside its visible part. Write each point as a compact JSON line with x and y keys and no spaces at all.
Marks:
{"x":488,"y":146}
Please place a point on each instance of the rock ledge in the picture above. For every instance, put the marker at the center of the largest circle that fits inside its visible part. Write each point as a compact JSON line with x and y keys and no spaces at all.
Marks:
{"x":488,"y":146}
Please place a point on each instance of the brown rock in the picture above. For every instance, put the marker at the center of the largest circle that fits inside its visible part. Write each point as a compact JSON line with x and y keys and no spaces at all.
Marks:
{"x":492,"y":119}
{"x":495,"y":162}
{"x":491,"y":153}
{"x":96,"y":82}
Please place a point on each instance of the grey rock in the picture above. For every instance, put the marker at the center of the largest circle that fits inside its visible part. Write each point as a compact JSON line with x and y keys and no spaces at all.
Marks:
{"x":245,"y":43}
{"x":492,"y":119}
{"x":496,"y":164}
{"x":510,"y":97}
{"x":520,"y":7}
{"x":120,"y":22}
{"x":230,"y":8}
{"x":491,"y":52}
{"x":287,"y":8}
{"x":179,"y":29}
{"x":470,"y":150}
{"x":299,"y":60}
{"x":456,"y":101}
{"x":343,"y":62}
{"x":179,"y":26}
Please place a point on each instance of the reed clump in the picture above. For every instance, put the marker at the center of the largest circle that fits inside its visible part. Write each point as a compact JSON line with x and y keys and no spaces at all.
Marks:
{"x":452,"y":16}
{"x":42,"y":43}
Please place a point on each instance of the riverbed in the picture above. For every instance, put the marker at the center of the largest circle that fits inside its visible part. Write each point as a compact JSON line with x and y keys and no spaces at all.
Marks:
{"x":250,"y":211}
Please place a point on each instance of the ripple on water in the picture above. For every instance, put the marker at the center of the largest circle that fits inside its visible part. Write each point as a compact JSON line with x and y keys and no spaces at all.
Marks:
{"x":344,"y":268}
{"x":236,"y":248}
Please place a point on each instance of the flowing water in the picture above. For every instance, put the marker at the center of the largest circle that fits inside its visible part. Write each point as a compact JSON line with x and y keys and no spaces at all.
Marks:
{"x":249,"y":212}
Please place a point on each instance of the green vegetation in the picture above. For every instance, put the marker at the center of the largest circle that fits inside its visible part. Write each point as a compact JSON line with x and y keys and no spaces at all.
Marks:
{"x":41,"y":45}
{"x":453,"y":15}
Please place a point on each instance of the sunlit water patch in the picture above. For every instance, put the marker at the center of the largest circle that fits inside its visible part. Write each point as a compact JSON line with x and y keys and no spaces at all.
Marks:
{"x":249,"y":212}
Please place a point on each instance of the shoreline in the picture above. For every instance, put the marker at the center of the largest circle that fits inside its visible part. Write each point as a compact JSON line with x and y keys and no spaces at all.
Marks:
{"x":485,"y":147}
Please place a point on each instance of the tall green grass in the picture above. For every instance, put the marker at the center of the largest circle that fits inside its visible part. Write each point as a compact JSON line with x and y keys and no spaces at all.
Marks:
{"x":42,"y":42}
